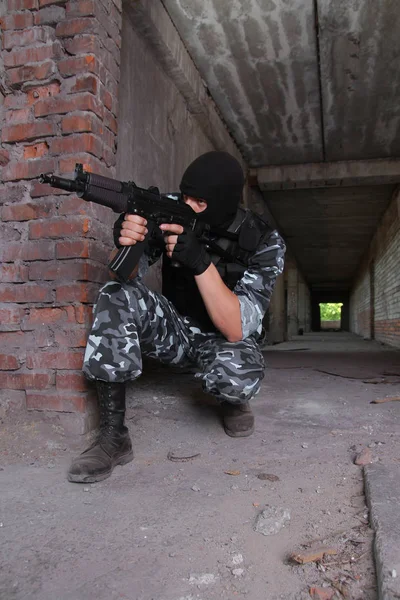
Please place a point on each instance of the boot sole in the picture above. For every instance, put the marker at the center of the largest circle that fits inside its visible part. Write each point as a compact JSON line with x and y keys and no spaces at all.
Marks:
{"x":236,"y":434}
{"x":82,"y":478}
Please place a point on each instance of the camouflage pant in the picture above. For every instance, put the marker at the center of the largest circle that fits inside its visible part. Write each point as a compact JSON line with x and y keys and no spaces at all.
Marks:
{"x":131,"y":321}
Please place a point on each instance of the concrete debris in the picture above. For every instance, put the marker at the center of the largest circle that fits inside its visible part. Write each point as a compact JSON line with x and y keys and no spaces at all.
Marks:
{"x":389,"y":399}
{"x":195,"y":488}
{"x":318,"y":593}
{"x":268,"y":477}
{"x":237,"y":559}
{"x":312,"y":555}
{"x":179,"y":458}
{"x":363,"y":458}
{"x":204,"y":579}
{"x":271,"y":520}
{"x":237,"y":572}
{"x":393,"y":573}
{"x":305,"y":445}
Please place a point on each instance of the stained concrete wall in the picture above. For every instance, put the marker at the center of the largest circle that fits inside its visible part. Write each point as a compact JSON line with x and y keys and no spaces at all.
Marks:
{"x":375,"y":297}
{"x":298,"y":300}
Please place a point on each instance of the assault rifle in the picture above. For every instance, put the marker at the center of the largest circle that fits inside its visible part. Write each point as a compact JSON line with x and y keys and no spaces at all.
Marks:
{"x":127,"y":197}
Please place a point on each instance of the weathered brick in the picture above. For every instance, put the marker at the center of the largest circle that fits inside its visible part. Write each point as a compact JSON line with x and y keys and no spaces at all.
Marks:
{"x":37,"y":54}
{"x":31,"y":73}
{"x":50,"y":15}
{"x":82,"y":249}
{"x":10,"y":318}
{"x":16,"y":5}
{"x":54,"y":360}
{"x":49,"y":2}
{"x":4,"y":157}
{"x":22,"y":381}
{"x":39,"y":317}
{"x":71,"y":270}
{"x":84,"y":142}
{"x":43,"y":189}
{"x":110,"y":121}
{"x":57,"y":401}
{"x":36,"y":150}
{"x":43,"y":91}
{"x":75,"y":65}
{"x":26,"y":293}
{"x":28,"y":131}
{"x":77,"y":292}
{"x":90,"y":163}
{"x":81,"y":8}
{"x":72,"y":27}
{"x":16,"y":100}
{"x":71,"y":381}
{"x":84,"y":44}
{"x":12,"y":339}
{"x":9,"y":362}
{"x":60,"y":105}
{"x":28,"y":170}
{"x":82,"y":122}
{"x":59,"y":227}
{"x":22,"y":115}
{"x":80,"y":313}
{"x":17,"y":21}
{"x":28,"y":37}
{"x":13,"y":273}
{"x":81,"y":83}
{"x":72,"y":337}
{"x":29,"y":250}
{"x":27,"y":211}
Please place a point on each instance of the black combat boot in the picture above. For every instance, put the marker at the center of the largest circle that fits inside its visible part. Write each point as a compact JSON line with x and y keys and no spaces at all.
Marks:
{"x":238,"y":419}
{"x":112,"y":446}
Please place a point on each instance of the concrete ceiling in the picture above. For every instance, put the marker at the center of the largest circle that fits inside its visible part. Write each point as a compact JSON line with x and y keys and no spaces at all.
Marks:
{"x":299,"y":82}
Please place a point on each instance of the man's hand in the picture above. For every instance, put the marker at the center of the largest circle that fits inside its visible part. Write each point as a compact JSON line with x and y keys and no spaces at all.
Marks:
{"x":185,"y":248}
{"x":129,"y":230}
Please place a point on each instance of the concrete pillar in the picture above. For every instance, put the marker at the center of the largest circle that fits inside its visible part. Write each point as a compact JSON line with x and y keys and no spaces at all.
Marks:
{"x":302,"y":306}
{"x":277,"y":320}
{"x":292,"y":303}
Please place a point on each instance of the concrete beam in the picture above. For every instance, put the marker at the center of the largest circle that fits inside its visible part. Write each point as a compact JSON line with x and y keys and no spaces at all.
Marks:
{"x":320,"y":175}
{"x":150,"y":19}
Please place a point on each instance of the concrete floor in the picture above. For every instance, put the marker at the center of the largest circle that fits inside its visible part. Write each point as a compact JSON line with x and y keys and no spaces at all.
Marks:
{"x":165,"y":530}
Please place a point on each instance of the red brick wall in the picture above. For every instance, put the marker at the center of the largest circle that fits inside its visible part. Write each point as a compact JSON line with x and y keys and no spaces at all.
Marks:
{"x":384,"y":255}
{"x":61,"y":62}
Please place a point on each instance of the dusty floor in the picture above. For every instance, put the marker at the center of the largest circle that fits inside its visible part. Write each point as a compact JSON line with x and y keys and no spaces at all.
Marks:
{"x":161,"y":529}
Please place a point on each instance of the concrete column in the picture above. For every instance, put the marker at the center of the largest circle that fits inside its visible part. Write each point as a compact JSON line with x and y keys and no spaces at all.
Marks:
{"x":292,"y":303}
{"x":277,"y":320}
{"x":302,"y":306}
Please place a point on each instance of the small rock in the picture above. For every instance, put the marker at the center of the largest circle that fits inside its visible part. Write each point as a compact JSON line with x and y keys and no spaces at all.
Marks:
{"x":237,"y":572}
{"x":237,"y":559}
{"x":271,"y":520}
{"x":363,"y":458}
{"x":195,"y":488}
{"x":86,"y":489}
{"x":393,"y":573}
{"x":204,"y":579}
{"x":268,"y":477}
{"x":305,"y":445}
{"x":51,"y":465}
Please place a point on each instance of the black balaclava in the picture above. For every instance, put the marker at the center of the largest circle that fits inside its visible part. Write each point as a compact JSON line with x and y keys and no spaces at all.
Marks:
{"x":217,"y":178}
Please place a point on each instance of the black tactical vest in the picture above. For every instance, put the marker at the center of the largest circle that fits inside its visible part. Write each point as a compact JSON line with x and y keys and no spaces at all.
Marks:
{"x":179,"y":285}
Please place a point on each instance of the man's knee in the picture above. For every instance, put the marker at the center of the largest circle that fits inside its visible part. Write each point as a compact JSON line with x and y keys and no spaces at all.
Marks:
{"x":232,"y":385}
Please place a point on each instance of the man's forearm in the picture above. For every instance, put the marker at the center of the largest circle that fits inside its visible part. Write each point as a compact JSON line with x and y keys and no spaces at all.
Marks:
{"x":222,"y":305}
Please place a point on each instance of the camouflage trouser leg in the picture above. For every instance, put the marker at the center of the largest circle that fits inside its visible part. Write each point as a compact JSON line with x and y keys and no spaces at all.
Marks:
{"x":130,"y":321}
